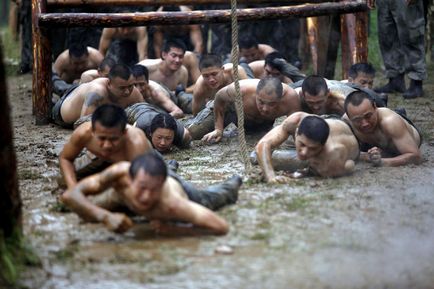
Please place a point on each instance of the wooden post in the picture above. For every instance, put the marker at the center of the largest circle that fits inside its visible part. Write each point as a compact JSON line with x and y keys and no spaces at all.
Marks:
{"x":41,"y":94}
{"x":354,"y":29}
{"x":10,"y":201}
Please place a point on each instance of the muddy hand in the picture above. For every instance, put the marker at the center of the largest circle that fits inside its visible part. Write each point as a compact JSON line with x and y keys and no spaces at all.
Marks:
{"x":118,"y":222}
{"x":158,"y":226}
{"x":279,"y":180}
{"x":213,"y":137}
{"x":374,"y":155}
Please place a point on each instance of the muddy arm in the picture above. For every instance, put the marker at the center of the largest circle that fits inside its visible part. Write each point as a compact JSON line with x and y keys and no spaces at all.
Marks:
{"x":272,"y":140}
{"x":105,"y":40}
{"x":75,"y":198}
{"x":223,"y":98}
{"x":69,"y":153}
{"x":202,"y":220}
{"x":199,"y":96}
{"x":162,"y":99}
{"x":142,"y":43}
{"x":395,"y":129}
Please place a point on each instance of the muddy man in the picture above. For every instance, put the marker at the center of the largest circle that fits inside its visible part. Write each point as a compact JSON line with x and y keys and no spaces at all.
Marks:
{"x":393,"y":139}
{"x":146,"y":188}
{"x":328,"y":146}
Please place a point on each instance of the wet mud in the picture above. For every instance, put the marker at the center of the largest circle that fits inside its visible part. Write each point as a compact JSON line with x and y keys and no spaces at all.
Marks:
{"x":373,"y":229}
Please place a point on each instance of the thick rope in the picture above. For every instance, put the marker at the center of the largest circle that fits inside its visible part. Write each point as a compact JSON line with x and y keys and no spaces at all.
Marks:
{"x":238,"y":100}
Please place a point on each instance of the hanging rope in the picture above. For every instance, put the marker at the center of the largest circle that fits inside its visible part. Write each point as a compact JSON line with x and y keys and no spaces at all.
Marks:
{"x":238,"y":100}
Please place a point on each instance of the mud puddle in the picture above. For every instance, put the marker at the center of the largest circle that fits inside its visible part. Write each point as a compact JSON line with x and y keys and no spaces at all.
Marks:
{"x":374,"y":229}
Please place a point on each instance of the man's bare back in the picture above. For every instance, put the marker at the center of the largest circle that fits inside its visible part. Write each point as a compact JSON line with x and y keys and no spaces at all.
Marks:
{"x":85,"y":98}
{"x":70,"y":72}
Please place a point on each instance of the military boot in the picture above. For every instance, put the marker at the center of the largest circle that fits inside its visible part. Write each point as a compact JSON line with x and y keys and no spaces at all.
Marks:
{"x":396,"y":84}
{"x":415,"y":89}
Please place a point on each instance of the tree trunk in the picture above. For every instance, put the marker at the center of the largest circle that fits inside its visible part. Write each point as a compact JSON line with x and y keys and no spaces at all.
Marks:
{"x":10,"y":201}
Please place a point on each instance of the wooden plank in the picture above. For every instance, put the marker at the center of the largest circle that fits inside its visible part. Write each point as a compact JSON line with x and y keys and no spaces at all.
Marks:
{"x":196,"y":17}
{"x":81,"y":3}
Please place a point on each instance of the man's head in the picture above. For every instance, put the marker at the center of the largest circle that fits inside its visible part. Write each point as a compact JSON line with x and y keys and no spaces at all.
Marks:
{"x":162,"y":132}
{"x":361,"y":110}
{"x":362,"y":74}
{"x":173,"y":53}
{"x":273,"y":65}
{"x":269,"y":94}
{"x":312,"y":134}
{"x":211,"y":68}
{"x":78,"y":55}
{"x":141,"y":78}
{"x":120,"y":81}
{"x":315,"y":92}
{"x":105,"y":66}
{"x":148,"y":173}
{"x":249,"y":48}
{"x":108,"y":128}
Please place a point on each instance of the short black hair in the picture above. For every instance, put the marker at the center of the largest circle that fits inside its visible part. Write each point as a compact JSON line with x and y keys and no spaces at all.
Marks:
{"x":314,"y":128}
{"x":151,"y":163}
{"x":120,"y":70}
{"x":107,"y":62}
{"x":356,"y":98}
{"x":140,"y":70}
{"x":173,"y":43}
{"x":314,"y":84}
{"x":110,"y":115}
{"x":270,"y":60}
{"x":210,"y":60}
{"x":271,"y":85}
{"x":77,"y":49}
{"x":363,"y":67}
{"x":248,"y":41}
{"x":162,"y":120}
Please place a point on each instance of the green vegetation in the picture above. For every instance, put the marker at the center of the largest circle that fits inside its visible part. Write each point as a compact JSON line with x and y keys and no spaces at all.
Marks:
{"x":11,"y":51}
{"x":14,"y":254}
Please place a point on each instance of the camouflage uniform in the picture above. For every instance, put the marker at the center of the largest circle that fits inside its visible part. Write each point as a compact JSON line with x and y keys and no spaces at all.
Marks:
{"x":401,"y":31}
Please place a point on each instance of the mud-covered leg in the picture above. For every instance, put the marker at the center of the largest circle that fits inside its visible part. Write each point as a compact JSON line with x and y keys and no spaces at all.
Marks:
{"x":283,"y":160}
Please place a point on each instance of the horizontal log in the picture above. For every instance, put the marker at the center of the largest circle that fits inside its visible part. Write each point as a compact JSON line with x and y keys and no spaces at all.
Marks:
{"x":76,"y":3}
{"x":197,"y":16}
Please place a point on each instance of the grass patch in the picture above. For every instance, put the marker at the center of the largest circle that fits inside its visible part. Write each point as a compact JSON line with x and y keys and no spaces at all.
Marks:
{"x":15,"y":253}
{"x":297,"y":203}
{"x":11,"y":51}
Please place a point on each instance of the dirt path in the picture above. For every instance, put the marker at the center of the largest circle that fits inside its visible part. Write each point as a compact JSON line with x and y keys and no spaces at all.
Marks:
{"x":374,"y":229}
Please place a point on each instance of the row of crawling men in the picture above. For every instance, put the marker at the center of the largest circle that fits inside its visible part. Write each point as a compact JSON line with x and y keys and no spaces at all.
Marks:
{"x":126,"y":117}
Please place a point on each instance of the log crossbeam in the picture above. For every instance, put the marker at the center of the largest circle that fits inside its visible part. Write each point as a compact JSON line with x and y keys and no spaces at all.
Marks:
{"x":197,"y":16}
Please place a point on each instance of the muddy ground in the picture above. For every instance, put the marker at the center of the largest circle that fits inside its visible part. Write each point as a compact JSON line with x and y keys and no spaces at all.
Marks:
{"x":374,"y":229}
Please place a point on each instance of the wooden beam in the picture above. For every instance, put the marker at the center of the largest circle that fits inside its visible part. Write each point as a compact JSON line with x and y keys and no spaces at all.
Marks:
{"x":195,"y":17}
{"x":75,"y":3}
{"x":41,"y":88}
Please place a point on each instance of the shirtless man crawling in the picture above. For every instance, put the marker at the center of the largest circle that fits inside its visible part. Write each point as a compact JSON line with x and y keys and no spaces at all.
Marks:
{"x":107,"y":138}
{"x":214,"y":76}
{"x":263,"y":101}
{"x":394,"y":140}
{"x":145,"y":188}
{"x":71,"y":63}
{"x":328,"y":145}
{"x":82,"y":100}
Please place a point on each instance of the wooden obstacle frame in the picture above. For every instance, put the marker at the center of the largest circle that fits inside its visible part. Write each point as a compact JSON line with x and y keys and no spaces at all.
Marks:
{"x":355,"y":33}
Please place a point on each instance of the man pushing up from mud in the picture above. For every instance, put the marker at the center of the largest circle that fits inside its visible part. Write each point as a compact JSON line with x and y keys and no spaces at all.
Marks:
{"x":328,"y":146}
{"x":107,"y":139}
{"x":146,"y":187}
{"x":393,"y":139}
